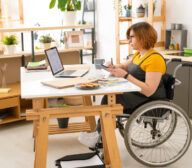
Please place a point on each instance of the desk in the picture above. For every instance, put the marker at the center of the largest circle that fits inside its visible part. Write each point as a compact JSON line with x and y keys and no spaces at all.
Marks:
{"x":31,"y":88}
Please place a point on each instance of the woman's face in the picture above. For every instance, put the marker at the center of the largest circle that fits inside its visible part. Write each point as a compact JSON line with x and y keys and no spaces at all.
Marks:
{"x":133,"y":41}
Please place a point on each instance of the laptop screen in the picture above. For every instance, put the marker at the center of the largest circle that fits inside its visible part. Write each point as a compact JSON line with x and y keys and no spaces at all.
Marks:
{"x":54,"y":60}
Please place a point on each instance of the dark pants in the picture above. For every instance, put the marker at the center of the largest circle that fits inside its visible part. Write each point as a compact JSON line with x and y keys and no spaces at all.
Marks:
{"x":129,"y":101}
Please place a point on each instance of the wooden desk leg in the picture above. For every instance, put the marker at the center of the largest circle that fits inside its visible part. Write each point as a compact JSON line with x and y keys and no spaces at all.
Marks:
{"x":111,"y":150}
{"x":91,"y":119}
{"x":37,"y":104}
{"x":42,"y":141}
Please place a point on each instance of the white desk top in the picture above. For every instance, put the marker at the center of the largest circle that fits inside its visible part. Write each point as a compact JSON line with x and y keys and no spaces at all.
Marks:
{"x":31,"y":86}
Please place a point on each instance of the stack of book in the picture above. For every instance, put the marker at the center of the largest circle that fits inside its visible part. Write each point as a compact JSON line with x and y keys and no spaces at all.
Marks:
{"x":40,"y":65}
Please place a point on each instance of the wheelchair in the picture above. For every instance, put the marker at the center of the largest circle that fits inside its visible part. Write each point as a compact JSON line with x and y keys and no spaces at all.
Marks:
{"x":157,"y":133}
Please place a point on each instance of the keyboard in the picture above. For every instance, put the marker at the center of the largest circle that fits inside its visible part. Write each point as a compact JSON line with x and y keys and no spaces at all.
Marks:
{"x":67,"y":72}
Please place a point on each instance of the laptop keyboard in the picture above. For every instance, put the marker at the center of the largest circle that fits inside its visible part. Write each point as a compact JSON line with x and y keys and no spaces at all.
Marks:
{"x":67,"y":72}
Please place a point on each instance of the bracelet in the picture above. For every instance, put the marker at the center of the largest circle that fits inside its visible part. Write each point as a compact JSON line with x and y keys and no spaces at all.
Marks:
{"x":125,"y":77}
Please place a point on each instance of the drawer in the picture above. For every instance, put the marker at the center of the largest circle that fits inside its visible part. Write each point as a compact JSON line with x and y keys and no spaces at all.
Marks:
{"x":9,"y":102}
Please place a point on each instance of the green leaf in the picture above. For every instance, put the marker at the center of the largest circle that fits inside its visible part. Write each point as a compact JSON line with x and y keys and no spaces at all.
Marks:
{"x":78,"y":5}
{"x":10,"y":40}
{"x":66,"y":5}
{"x":52,"y":4}
{"x":62,"y":4}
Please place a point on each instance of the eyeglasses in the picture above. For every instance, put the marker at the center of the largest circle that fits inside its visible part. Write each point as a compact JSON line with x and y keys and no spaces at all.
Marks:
{"x":130,"y":37}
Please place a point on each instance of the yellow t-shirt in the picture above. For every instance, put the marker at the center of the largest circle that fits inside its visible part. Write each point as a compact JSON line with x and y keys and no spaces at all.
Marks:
{"x":154,"y":63}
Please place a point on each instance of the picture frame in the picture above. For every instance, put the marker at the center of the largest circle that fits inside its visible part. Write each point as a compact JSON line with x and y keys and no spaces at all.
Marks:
{"x":74,"y":39}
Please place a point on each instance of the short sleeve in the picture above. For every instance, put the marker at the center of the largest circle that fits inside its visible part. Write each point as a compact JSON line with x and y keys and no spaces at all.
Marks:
{"x":154,"y":63}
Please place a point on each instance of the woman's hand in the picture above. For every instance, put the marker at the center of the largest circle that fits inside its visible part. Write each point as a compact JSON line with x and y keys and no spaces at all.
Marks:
{"x":117,"y":72}
{"x":109,"y":65}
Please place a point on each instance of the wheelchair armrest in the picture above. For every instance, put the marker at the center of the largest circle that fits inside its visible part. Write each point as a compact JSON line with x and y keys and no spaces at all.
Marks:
{"x":176,"y":60}
{"x":189,"y":64}
{"x":173,"y":60}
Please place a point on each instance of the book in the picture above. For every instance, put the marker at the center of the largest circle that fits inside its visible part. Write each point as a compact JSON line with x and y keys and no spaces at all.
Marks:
{"x":40,"y":65}
{"x":4,"y":90}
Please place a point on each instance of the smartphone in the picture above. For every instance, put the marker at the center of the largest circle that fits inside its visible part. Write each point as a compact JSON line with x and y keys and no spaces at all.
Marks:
{"x":104,"y":66}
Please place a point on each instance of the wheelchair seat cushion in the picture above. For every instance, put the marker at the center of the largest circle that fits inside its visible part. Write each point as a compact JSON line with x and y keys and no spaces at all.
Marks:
{"x":169,"y":81}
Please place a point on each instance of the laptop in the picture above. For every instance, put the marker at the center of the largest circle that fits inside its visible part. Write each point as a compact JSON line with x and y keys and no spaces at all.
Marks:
{"x":57,"y":67}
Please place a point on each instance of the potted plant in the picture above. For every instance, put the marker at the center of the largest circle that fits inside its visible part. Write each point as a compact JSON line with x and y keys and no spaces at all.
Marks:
{"x":128,"y":10}
{"x":69,"y":7}
{"x":46,"y":40}
{"x":10,"y":42}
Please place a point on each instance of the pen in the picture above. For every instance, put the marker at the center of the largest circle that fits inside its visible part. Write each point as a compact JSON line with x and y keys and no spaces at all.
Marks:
{"x":111,"y":61}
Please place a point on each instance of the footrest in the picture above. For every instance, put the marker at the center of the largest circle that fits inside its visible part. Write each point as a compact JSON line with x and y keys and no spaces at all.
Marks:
{"x":85,"y":160}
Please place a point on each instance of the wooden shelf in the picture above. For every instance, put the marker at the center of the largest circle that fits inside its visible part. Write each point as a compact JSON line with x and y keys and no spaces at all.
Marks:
{"x":123,"y":42}
{"x":158,"y":18}
{"x":130,"y":20}
{"x":125,"y":19}
{"x":9,"y":19}
{"x":10,"y":119}
{"x":160,"y":44}
{"x":15,"y":91}
{"x":41,"y":52}
{"x":22,"y":29}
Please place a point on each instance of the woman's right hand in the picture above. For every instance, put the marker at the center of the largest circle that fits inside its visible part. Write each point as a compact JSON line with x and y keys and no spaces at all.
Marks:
{"x":109,"y":65}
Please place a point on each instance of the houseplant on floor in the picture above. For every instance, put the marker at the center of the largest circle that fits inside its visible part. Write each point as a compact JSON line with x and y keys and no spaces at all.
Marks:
{"x":45,"y":41}
{"x":69,"y":7}
{"x":10,"y":42}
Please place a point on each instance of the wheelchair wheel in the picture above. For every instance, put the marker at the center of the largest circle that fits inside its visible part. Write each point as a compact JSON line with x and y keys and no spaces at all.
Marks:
{"x":158,"y":133}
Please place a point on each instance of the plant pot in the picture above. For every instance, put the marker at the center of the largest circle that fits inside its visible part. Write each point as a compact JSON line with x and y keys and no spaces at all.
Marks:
{"x":9,"y":49}
{"x":128,"y":13}
{"x":89,"y":4}
{"x":46,"y":45}
{"x":70,"y":18}
{"x":140,"y":11}
{"x":63,"y":122}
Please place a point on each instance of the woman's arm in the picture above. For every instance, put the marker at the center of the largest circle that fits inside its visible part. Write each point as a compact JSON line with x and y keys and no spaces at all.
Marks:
{"x":124,"y":65}
{"x":152,"y":80}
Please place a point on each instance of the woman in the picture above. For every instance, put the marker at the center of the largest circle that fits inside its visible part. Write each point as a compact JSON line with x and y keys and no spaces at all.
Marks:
{"x":145,"y":69}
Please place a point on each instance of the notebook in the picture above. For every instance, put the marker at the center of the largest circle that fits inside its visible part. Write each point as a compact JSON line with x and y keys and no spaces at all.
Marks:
{"x":57,"y":67}
{"x":60,"y":84}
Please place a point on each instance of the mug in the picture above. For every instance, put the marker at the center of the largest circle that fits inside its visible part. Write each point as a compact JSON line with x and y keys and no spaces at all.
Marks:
{"x":98,"y":62}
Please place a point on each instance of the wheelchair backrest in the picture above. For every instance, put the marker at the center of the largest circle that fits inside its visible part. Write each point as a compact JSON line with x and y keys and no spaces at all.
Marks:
{"x":169,"y":81}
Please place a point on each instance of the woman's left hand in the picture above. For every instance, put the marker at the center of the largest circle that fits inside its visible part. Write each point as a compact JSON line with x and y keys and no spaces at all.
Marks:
{"x":118,"y":72}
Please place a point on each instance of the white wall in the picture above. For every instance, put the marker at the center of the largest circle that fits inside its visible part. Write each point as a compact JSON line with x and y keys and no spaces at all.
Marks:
{"x":177,"y":11}
{"x":105,"y":30}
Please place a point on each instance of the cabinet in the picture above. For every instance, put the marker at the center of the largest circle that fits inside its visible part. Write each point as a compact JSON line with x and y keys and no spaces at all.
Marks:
{"x":149,"y":17}
{"x":183,"y":92}
{"x":10,"y":109}
{"x":179,"y":38}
